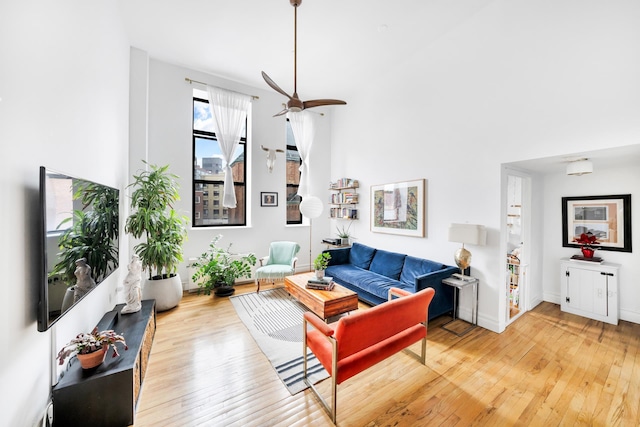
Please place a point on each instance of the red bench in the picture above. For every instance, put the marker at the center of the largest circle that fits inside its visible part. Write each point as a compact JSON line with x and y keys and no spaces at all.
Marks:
{"x":362,"y":339}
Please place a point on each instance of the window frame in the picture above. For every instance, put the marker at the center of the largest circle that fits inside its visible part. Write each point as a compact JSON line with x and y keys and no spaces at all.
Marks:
{"x":201,"y":134}
{"x":287,"y":185}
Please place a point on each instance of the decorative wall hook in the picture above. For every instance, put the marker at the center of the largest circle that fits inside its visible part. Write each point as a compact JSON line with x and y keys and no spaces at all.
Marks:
{"x":271,"y":156}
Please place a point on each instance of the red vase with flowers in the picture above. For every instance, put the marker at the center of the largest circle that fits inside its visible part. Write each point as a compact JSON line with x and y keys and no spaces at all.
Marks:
{"x":587,"y":242}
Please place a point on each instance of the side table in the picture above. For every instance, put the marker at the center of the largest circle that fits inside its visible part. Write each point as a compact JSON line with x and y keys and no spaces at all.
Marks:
{"x":459,"y":284}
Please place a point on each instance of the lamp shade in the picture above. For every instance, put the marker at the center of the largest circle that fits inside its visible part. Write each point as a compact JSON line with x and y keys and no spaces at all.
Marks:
{"x":580,"y":167}
{"x":471,"y":234}
{"x":311,"y":207}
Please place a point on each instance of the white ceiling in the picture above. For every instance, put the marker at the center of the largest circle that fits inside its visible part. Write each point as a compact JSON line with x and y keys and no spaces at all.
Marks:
{"x":340,"y":42}
{"x":344,"y":46}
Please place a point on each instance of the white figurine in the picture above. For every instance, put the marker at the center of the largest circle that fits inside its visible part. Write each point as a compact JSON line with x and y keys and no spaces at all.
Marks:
{"x":132,"y":291}
{"x":84,"y":282}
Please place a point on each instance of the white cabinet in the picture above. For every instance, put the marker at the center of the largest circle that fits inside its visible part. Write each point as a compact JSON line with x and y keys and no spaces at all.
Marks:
{"x":590,"y":289}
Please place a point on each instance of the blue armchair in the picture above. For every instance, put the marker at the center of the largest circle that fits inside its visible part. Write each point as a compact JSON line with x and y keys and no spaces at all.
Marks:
{"x":280,"y":262}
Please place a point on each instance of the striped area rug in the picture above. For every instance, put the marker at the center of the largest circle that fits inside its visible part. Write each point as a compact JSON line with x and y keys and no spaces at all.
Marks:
{"x":274,"y":319}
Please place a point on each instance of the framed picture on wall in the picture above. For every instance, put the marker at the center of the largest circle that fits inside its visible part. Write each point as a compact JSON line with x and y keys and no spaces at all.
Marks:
{"x":606,"y":217}
{"x":268,"y":199}
{"x":398,"y":208}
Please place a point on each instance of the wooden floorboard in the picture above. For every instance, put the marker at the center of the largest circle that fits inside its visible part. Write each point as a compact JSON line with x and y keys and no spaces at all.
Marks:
{"x":548,"y":368}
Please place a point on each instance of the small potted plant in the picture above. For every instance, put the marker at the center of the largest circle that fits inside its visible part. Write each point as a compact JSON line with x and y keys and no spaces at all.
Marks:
{"x":91,"y":349}
{"x":587,"y":242}
{"x":344,"y":234}
{"x":321,"y":263}
{"x":218,"y":269}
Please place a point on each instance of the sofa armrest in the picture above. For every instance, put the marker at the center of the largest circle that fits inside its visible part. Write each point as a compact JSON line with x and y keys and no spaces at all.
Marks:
{"x":338,"y":256}
{"x":434,"y":278}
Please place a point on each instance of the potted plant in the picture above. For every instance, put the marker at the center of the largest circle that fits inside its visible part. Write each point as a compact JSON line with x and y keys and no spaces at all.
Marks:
{"x":587,"y":242}
{"x":92,"y":234}
{"x":344,"y":234}
{"x":218,"y":269}
{"x":154,"y":218}
{"x":91,"y":348}
{"x":321,"y":263}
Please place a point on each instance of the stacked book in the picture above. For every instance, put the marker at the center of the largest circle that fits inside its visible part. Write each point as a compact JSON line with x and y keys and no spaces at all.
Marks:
{"x":324,"y":284}
{"x":345,"y":183}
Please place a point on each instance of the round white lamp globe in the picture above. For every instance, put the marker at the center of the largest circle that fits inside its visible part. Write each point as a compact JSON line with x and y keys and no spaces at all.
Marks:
{"x":311,"y":207}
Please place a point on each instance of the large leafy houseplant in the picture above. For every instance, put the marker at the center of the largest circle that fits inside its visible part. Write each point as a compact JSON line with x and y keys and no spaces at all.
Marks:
{"x":93,"y":233}
{"x":218,"y":268}
{"x":154,"y":218}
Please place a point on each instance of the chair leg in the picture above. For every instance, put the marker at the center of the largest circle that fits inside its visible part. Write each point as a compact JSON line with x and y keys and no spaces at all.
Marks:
{"x":331,"y":410}
{"x":258,"y":283}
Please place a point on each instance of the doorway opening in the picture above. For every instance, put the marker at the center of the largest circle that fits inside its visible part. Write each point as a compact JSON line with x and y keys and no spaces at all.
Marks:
{"x":517,"y":208}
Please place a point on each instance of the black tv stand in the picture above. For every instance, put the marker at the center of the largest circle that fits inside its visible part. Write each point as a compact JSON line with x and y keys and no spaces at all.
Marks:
{"x":108,"y":394}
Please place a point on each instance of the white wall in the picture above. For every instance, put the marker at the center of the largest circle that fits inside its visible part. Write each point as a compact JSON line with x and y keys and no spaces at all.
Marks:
{"x":621,"y":180}
{"x":64,"y":97}
{"x":170,"y":142}
{"x":519,"y":80}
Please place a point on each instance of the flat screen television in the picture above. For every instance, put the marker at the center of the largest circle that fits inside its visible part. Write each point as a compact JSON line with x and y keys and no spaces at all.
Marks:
{"x":79,"y":239}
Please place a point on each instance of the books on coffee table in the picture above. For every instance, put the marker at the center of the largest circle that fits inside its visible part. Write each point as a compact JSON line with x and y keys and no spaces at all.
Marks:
{"x":324,"y":284}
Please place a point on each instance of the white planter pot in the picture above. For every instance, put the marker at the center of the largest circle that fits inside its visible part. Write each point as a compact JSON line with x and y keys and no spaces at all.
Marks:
{"x":166,"y":292}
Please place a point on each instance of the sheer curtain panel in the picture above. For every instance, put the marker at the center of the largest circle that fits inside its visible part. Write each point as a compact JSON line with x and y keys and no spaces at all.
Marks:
{"x":229,"y":112}
{"x":303,"y":127}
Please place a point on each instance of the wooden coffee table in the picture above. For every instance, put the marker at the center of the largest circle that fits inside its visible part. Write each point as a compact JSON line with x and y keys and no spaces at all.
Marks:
{"x":324,"y":304}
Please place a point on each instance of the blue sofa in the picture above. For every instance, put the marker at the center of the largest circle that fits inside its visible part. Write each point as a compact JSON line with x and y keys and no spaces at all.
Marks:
{"x":371,"y":272}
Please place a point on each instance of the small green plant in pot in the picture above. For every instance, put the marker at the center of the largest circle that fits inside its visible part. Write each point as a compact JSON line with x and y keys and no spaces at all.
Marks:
{"x":344,"y":234}
{"x":321,"y":263}
{"x":154,"y":218}
{"x":218,"y":268}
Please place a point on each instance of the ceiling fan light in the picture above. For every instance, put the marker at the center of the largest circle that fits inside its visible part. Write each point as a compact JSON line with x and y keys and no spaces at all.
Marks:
{"x":295,"y":109}
{"x":580,"y":167}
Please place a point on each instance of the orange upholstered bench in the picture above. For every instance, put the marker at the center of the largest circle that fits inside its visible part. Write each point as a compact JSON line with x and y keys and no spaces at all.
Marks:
{"x":362,"y":339}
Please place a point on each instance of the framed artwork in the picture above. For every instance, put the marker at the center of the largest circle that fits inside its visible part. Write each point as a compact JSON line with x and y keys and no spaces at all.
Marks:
{"x":606,"y":217}
{"x":398,"y":208}
{"x":268,"y":199}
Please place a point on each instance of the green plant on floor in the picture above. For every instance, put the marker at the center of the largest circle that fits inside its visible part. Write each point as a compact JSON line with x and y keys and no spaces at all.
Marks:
{"x":219,"y":267}
{"x":322,"y":261}
{"x":154,"y":193}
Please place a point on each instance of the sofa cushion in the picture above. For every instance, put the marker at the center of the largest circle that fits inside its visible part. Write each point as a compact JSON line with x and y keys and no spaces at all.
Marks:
{"x":361,"y":255}
{"x":379,"y":285}
{"x":387,"y":263}
{"x":414,"y":267}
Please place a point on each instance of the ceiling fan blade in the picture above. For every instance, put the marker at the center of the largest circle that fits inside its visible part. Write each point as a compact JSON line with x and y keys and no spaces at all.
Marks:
{"x":273,"y":85}
{"x":320,"y":102}
{"x":285,"y":111}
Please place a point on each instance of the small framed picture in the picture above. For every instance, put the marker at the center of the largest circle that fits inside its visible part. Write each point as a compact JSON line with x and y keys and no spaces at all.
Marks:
{"x":268,"y":199}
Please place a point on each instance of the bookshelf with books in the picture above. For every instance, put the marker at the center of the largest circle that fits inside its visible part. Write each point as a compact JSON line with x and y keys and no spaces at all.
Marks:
{"x":343,"y":199}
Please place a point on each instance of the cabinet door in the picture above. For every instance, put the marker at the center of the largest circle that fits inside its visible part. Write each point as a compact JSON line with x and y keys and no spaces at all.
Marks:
{"x":587,"y":291}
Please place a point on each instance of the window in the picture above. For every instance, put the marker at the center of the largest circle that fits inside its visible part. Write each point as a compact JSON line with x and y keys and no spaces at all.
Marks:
{"x":208,"y":174}
{"x":293,"y":179}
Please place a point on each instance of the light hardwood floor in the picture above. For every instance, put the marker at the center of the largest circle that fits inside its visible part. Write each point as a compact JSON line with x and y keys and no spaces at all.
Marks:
{"x":547,"y":369}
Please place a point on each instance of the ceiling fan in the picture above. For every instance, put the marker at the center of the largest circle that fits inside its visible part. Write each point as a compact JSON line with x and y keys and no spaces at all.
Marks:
{"x":295,"y":104}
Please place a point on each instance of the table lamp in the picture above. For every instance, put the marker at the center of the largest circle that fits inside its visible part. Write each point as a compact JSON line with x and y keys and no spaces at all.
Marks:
{"x":471,"y":234}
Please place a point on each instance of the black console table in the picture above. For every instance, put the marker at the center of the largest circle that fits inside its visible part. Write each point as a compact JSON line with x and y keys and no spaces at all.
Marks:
{"x":107,"y":395}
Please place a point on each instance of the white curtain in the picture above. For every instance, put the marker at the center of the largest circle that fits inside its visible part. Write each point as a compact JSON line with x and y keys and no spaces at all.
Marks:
{"x":303,"y":127}
{"x":229,"y":112}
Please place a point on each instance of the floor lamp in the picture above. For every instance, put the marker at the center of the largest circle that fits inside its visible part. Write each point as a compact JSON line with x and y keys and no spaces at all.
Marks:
{"x":311,"y":207}
{"x":471,"y":234}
